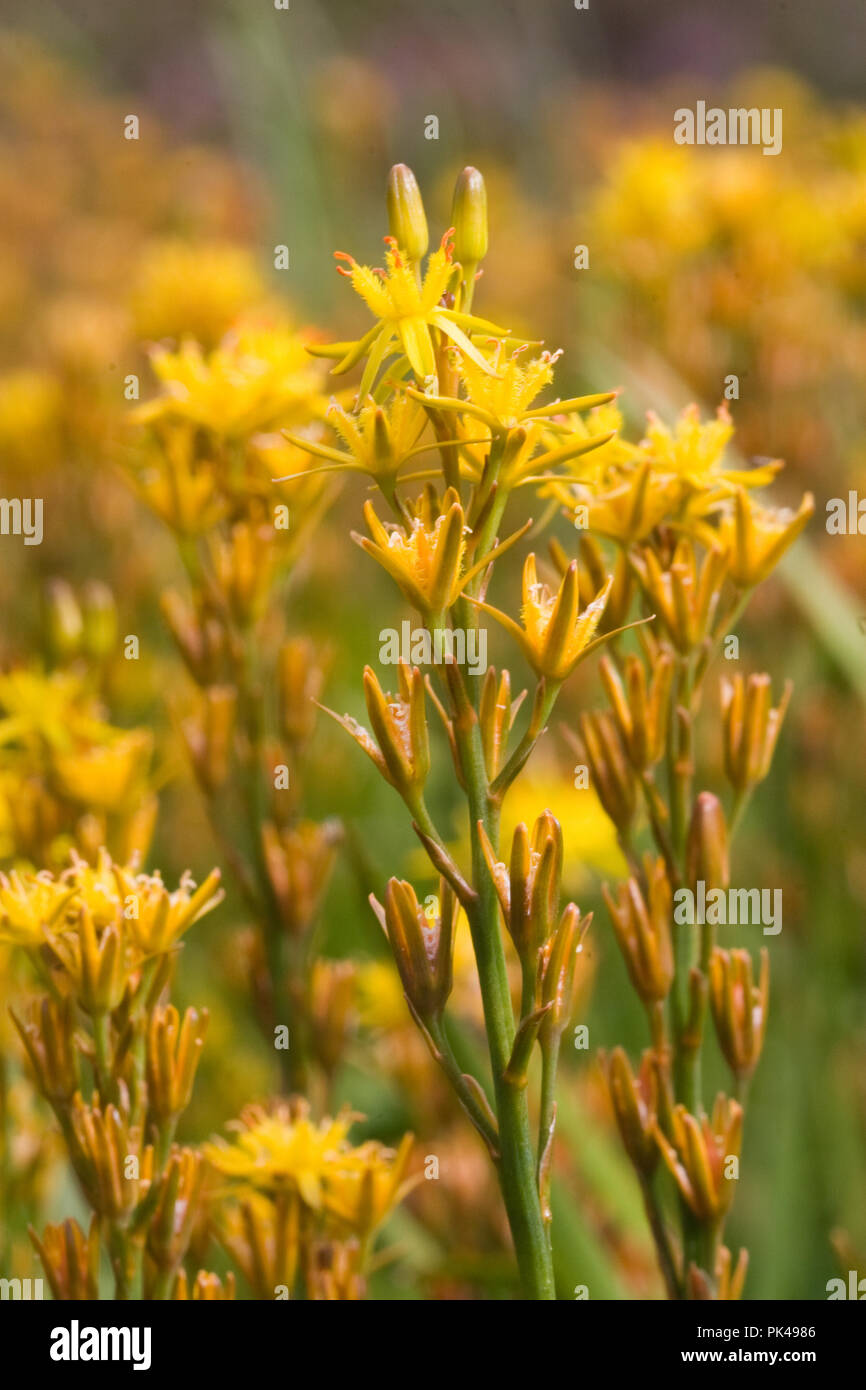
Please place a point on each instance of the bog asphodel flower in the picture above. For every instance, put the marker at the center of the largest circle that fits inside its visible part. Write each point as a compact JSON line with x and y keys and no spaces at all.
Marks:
{"x":640,"y":708}
{"x":635,"y":1100}
{"x":755,"y":537}
{"x":423,"y":945}
{"x":642,"y":923}
{"x":406,"y":310}
{"x":280,"y":1147}
{"x":158,"y":917}
{"x":257,"y":378}
{"x":751,"y":727}
{"x":402,"y":753}
{"x":426,"y":557}
{"x":554,"y":636}
{"x":739,"y":1007}
{"x":693,"y":451}
{"x":528,"y":889}
{"x":685,"y":594}
{"x":30,"y":903}
{"x":363,"y":1185}
{"x":378,"y":439}
{"x":70,"y":1259}
{"x":699,"y":1156}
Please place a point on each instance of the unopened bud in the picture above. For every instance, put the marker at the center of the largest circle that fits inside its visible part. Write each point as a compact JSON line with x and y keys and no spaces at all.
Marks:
{"x":63,"y":622}
{"x":707,"y":847}
{"x":469,"y":218}
{"x":100,"y":619}
{"x":406,"y":217}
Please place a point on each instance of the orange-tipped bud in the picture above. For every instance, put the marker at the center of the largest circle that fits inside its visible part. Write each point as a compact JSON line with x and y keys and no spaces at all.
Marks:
{"x":300,"y":678}
{"x":114,"y":1168}
{"x":497,"y":714}
{"x":177,"y":1209}
{"x":400,"y":725}
{"x":642,"y":923}
{"x":210,"y":736}
{"x":739,"y":1007}
{"x":299,"y":860}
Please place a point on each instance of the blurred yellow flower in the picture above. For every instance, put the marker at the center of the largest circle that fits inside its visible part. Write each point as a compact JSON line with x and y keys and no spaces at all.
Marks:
{"x":257,"y":378}
{"x":193,"y":288}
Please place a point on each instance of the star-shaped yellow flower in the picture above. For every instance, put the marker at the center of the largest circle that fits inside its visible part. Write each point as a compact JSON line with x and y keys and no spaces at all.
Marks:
{"x":406,"y":309}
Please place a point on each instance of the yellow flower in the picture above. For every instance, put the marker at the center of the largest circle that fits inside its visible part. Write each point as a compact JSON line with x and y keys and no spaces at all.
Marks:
{"x":30,"y":418}
{"x":694,"y":452}
{"x":256,"y":379}
{"x":378,"y":440}
{"x":757,"y":537}
{"x":501,"y":397}
{"x":280,"y":1148}
{"x":158,"y":917}
{"x":364,"y":1185}
{"x":554,"y":636}
{"x":406,"y":310}
{"x":426,"y":557}
{"x":699,"y":1155}
{"x":196,"y":288}
{"x":29,"y":903}
{"x":106,"y":776}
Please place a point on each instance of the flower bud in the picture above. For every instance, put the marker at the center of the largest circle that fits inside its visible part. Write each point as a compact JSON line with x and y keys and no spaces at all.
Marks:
{"x":406,"y":218}
{"x":697,"y":1157}
{"x":739,"y":1007}
{"x":422,"y":945}
{"x":48,"y":1038}
{"x":70,"y":1259}
{"x":529,"y":890}
{"x":642,"y":924}
{"x":750,"y":728}
{"x":177,"y":1208}
{"x":469,"y":218}
{"x":635,"y":1104}
{"x":600,"y":747}
{"x":63,"y":622}
{"x":559,"y":979}
{"x":100,"y":619}
{"x":707,"y":844}
{"x":173,"y":1052}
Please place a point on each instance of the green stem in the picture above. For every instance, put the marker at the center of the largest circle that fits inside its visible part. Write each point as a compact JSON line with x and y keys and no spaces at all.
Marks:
{"x":517,"y":1164}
